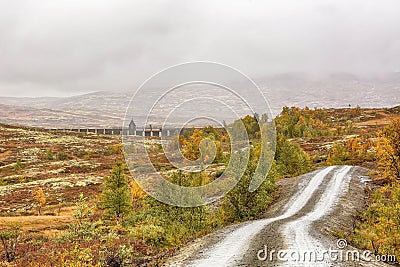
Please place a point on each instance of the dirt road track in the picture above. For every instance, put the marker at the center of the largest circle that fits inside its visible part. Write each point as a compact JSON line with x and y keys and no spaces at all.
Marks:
{"x":311,"y":207}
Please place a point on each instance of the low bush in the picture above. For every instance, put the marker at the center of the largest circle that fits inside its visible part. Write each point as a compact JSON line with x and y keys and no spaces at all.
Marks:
{"x":149,"y":233}
{"x":62,"y":156}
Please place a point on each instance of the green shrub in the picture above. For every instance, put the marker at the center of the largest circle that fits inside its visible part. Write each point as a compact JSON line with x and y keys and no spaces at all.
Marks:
{"x":62,"y":155}
{"x":113,"y":150}
{"x":121,"y":257}
{"x":149,"y":233}
{"x":18,"y":165}
{"x":49,"y":155}
{"x":82,"y":228}
{"x":77,"y":257}
{"x":290,"y":158}
{"x":10,"y":239}
{"x":240,"y":204}
{"x":337,"y":155}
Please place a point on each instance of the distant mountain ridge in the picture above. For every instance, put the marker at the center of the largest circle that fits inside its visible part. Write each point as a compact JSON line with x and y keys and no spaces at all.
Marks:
{"x":107,"y":109}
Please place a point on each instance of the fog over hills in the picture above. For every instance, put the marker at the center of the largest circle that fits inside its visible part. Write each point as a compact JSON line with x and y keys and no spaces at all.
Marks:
{"x":107,"y":109}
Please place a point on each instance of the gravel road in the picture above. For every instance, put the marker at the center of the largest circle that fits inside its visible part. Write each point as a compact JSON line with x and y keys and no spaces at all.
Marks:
{"x":298,"y":226}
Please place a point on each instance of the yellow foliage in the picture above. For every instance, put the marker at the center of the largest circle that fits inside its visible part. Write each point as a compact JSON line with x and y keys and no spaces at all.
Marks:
{"x":138,"y":195}
{"x":388,"y":151}
{"x":39,"y":199}
{"x":379,"y":229}
{"x":190,"y":146}
{"x":136,"y":191}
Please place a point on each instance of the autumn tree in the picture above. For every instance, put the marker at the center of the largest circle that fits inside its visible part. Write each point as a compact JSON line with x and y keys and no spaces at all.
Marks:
{"x":187,"y":219}
{"x":191,"y":145}
{"x":138,"y":195}
{"x":388,"y":151}
{"x":246,"y":128}
{"x":337,"y":155}
{"x":203,"y":145}
{"x":39,"y":199}
{"x":240,"y":203}
{"x":252,"y":126}
{"x":116,"y":198}
{"x":295,"y":122}
{"x":291,"y":160}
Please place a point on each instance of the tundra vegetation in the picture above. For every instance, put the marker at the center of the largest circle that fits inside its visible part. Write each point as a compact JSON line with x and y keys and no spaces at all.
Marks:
{"x":379,"y":227}
{"x":97,"y":215}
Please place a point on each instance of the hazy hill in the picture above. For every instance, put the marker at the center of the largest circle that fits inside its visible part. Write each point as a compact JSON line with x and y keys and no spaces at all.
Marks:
{"x":291,"y":89}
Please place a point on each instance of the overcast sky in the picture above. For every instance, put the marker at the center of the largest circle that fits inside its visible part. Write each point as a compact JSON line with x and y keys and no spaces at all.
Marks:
{"x":57,"y":48}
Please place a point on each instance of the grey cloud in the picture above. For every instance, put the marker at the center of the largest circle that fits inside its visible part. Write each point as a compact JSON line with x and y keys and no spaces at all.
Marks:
{"x":68,"y":47}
